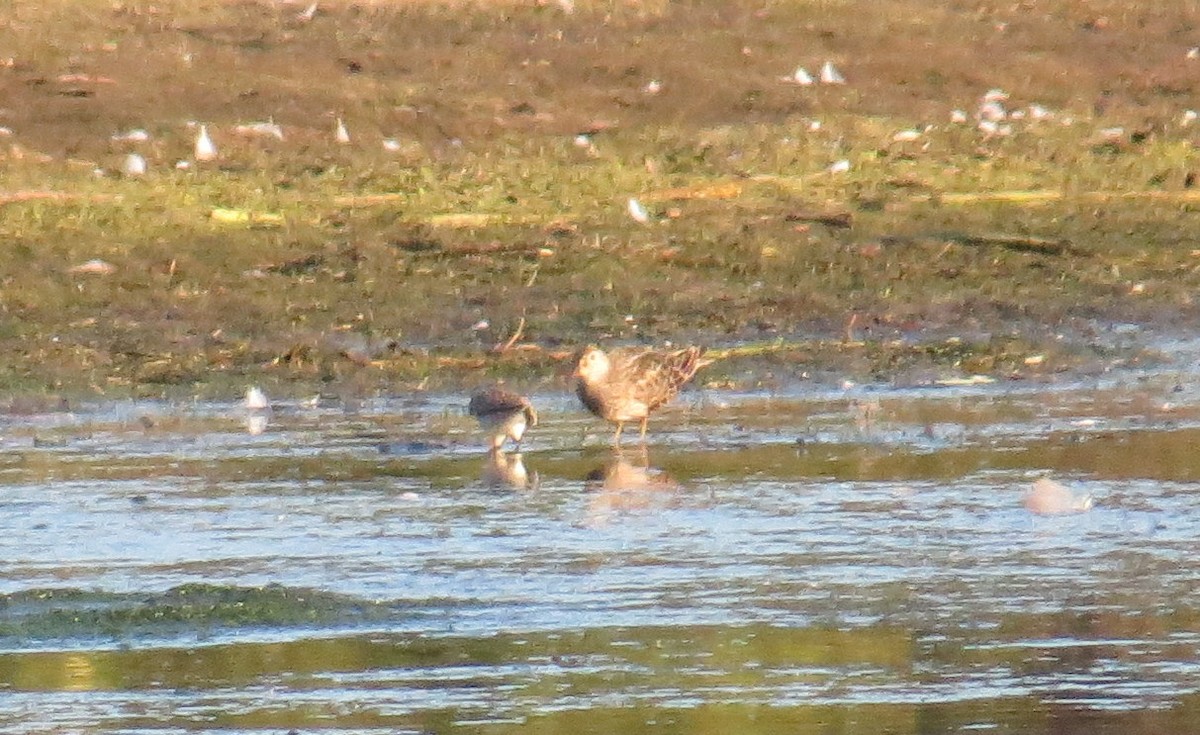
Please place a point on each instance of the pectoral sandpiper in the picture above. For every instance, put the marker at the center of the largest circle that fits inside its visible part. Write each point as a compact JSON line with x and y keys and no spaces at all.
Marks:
{"x":626,"y":384}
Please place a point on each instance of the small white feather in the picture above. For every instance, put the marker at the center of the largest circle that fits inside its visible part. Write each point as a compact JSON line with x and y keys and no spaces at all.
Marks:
{"x":830,"y":74}
{"x":133,"y":165}
{"x":638,"y":212}
{"x":206,"y":150}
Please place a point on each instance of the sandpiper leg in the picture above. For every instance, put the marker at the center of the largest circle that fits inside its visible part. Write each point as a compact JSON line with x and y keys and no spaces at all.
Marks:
{"x":645,"y":420}
{"x":645,"y":456}
{"x":617,"y":436}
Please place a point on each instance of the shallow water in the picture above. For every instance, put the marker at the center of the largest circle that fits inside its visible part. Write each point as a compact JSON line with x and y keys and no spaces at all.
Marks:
{"x":845,"y":561}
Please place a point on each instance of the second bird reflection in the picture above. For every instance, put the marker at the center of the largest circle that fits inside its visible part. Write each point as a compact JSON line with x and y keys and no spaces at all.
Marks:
{"x":502,"y":470}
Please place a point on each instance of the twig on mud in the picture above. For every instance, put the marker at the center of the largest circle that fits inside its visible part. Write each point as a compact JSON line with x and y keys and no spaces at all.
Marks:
{"x":850,"y":327}
{"x":471,"y":248}
{"x":715,"y":190}
{"x":452,"y":220}
{"x":1034,"y":196}
{"x":1020,"y":243}
{"x":829,"y":219}
{"x":15,"y":197}
{"x":462,"y":363}
{"x":500,"y":349}
{"x":787,"y":183}
{"x":1039,"y":196}
{"x":759,"y":349}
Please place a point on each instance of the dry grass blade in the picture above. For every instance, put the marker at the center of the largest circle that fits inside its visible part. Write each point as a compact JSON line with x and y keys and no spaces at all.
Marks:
{"x":516,"y":335}
{"x":16,"y":197}
{"x":716,"y":190}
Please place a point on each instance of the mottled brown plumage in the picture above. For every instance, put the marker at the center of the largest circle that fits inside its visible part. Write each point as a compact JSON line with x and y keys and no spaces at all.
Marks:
{"x":503,"y":414}
{"x":626,"y":384}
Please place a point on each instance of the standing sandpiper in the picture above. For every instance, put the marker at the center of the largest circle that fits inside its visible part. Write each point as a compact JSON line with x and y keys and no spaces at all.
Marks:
{"x":626,"y":384}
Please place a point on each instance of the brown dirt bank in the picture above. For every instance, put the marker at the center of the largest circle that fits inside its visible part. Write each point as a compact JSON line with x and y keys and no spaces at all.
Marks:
{"x":494,"y":147}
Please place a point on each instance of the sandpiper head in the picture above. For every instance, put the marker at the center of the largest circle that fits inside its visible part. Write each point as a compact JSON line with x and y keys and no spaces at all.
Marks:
{"x":593,"y":365}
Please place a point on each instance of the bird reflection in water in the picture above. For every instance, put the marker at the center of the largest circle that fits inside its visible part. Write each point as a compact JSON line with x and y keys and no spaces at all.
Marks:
{"x":627,"y":483}
{"x":503,"y":470}
{"x":258,"y":411}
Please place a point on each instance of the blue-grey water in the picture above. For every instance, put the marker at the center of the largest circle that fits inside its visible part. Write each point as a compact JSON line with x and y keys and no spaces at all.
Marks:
{"x":849,"y":560}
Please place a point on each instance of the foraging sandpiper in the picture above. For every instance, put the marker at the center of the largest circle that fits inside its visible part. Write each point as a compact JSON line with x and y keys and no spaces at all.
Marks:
{"x":503,"y":414}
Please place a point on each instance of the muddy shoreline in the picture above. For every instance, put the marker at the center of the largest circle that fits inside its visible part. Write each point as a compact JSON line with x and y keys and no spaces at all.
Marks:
{"x":484,"y":194}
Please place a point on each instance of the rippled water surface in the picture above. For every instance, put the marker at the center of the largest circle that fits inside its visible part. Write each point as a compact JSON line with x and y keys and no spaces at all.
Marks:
{"x":849,"y":561}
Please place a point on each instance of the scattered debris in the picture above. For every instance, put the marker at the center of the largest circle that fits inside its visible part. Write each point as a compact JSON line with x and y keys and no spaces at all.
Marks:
{"x":1019,"y":243}
{"x":245,"y":216}
{"x":295,"y":266}
{"x":205,"y":149}
{"x":991,"y":129}
{"x":133,"y":165}
{"x":841,"y":219}
{"x":719,"y":190}
{"x":800,"y":77}
{"x":360,"y":349}
{"x":94,"y":267}
{"x":991,"y":106}
{"x":965,"y":381}
{"x":84,"y":79}
{"x":307,"y":14}
{"x":507,"y":345}
{"x":268,"y":129}
{"x":1049,"y":497}
{"x":137,"y":135}
{"x":830,"y":74}
{"x":52,"y":196}
{"x":637,"y":211}
{"x":1038,"y":112}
